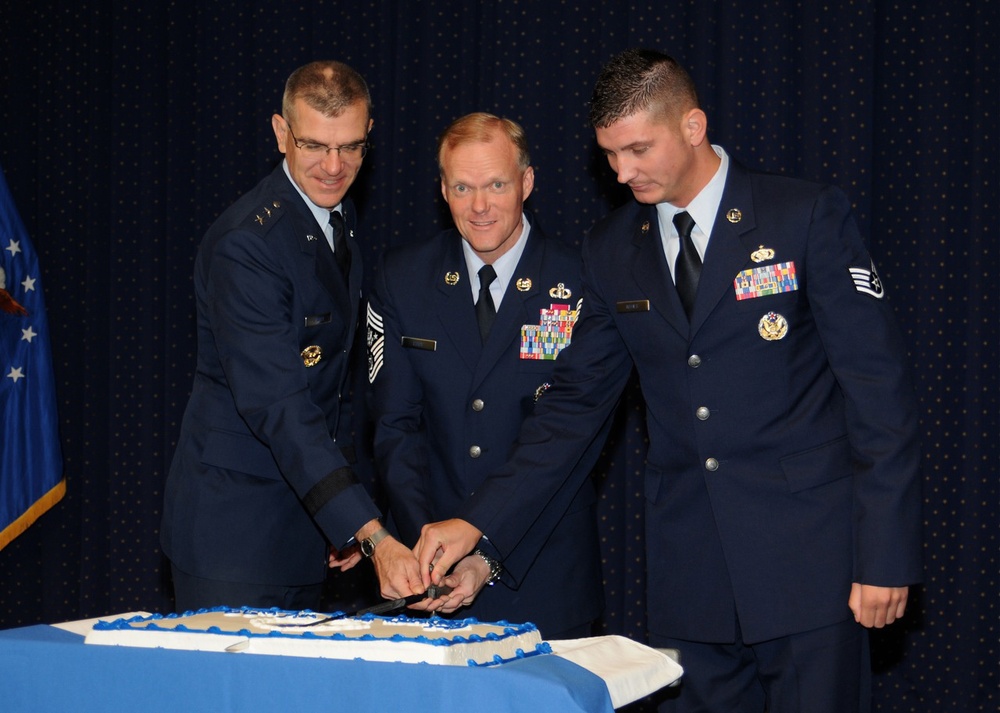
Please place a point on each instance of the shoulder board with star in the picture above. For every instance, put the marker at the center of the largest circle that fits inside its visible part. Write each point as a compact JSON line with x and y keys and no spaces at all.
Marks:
{"x":262,"y":218}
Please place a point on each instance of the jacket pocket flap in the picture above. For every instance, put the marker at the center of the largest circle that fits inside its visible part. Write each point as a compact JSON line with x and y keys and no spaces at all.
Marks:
{"x":240,"y":452}
{"x":817,"y":466}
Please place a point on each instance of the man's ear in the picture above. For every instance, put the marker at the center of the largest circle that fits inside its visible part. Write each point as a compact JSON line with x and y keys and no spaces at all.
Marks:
{"x":527,"y":182}
{"x":280,"y":131}
{"x":695,"y":126}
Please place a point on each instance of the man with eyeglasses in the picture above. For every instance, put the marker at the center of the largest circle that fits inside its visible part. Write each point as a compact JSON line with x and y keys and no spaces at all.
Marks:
{"x":261,"y":497}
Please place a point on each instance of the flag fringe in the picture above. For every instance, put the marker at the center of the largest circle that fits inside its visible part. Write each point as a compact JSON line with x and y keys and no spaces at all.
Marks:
{"x":40,"y":507}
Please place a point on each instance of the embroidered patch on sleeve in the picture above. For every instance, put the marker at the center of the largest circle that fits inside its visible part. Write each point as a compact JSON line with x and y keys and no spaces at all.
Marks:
{"x":766,"y":280}
{"x":867,"y":281}
{"x":376,"y":343}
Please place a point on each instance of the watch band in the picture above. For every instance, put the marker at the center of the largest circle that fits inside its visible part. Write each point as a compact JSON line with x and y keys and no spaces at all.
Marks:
{"x":496,"y":569}
{"x":368,"y":544}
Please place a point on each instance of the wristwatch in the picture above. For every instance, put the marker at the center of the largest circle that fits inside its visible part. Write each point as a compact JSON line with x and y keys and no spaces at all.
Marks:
{"x":368,"y":544}
{"x":496,"y":569}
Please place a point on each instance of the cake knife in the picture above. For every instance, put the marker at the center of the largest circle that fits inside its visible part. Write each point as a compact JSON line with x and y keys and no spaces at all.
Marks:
{"x":433,"y":592}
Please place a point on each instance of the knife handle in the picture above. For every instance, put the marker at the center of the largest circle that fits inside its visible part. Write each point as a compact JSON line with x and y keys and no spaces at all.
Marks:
{"x":433,"y":592}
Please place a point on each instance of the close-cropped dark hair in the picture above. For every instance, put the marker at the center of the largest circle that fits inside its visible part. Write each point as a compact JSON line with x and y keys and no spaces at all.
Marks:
{"x":327,"y":86}
{"x":641,"y":80}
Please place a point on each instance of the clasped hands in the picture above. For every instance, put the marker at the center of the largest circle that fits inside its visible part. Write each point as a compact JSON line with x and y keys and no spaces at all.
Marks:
{"x":442,"y":546}
{"x":445,"y":544}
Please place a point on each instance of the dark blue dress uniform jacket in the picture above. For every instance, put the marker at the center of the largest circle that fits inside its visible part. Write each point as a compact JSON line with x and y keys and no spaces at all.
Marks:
{"x":449,"y":408}
{"x":260,"y":481}
{"x":779,"y":471}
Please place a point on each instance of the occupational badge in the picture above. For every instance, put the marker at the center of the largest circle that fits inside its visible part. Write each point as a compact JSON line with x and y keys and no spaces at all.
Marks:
{"x":734,"y":215}
{"x":772,"y":327}
{"x":762,"y":254}
{"x":523,"y":284}
{"x":311,"y":355}
{"x":451,"y":278}
{"x":867,"y":281}
{"x":645,"y":228}
{"x":560,"y":292}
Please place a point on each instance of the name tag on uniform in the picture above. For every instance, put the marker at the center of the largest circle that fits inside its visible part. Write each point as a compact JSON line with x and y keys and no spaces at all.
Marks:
{"x":318,"y":319}
{"x":632,"y":306}
{"x":429,"y":345}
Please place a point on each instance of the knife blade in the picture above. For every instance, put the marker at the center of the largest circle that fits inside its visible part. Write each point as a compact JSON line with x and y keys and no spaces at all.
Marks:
{"x":433,"y":592}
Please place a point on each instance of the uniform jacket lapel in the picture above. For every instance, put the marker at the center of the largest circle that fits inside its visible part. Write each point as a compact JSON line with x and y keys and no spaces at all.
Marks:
{"x":650,"y":270}
{"x":311,"y":237}
{"x":353,"y":287}
{"x":454,"y":304}
{"x":513,"y":313}
{"x":730,"y":246}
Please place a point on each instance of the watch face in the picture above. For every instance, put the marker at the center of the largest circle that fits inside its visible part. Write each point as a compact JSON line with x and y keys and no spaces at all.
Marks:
{"x":367,"y":547}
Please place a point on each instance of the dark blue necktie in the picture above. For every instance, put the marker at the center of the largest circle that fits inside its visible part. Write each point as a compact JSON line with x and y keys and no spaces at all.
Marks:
{"x":687,"y":269}
{"x":341,"y":253}
{"x":486,"y":312}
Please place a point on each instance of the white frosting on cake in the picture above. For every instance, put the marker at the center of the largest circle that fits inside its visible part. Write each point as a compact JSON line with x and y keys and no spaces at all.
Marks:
{"x":371,"y":638}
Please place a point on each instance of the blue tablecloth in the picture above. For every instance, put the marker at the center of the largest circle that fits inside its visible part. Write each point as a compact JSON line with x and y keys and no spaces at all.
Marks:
{"x":43,"y":669}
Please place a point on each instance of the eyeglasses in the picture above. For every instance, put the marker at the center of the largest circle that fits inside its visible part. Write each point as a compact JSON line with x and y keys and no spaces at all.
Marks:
{"x":355,"y":151}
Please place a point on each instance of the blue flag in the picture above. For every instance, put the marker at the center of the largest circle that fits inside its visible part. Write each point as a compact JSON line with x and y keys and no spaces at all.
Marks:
{"x":31,"y":469}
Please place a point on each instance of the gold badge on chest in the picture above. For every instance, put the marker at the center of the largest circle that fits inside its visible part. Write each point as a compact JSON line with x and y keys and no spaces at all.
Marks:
{"x":772,"y":327}
{"x":311,"y":355}
{"x":560,"y":292}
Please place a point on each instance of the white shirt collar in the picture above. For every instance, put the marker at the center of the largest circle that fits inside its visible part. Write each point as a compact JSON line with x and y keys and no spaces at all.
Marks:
{"x":703,"y":208}
{"x":504,"y":265}
{"x":322,"y":214}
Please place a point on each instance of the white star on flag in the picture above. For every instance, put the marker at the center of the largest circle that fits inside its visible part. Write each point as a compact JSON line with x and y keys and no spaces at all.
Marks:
{"x":15,"y":374}
{"x":14,"y":247}
{"x":28,"y":283}
{"x":28,"y":334}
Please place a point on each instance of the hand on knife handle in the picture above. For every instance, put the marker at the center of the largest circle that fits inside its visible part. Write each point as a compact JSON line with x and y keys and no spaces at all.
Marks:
{"x":433,"y":592}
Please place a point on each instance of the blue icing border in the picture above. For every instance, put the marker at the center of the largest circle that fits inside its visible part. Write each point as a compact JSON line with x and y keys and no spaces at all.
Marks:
{"x":541,"y":648}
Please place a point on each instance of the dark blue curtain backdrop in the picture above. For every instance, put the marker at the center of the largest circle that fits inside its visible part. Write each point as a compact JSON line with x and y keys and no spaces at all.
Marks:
{"x":125,"y":128}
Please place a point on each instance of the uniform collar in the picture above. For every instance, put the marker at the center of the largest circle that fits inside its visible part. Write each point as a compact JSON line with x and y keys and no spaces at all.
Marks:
{"x":504,"y":265}
{"x":321,"y":214}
